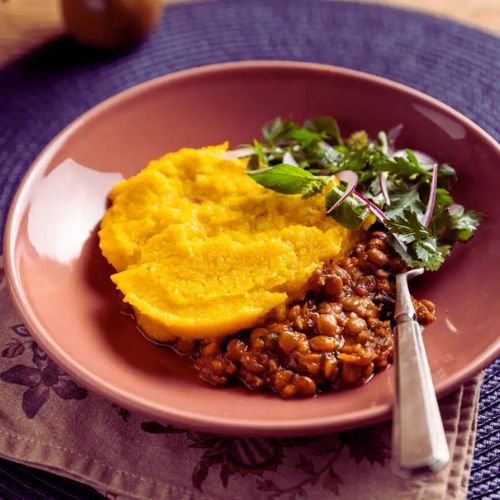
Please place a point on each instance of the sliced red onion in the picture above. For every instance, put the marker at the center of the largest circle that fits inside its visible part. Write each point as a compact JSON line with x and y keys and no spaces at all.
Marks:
{"x":289,"y":159}
{"x":373,"y":208}
{"x":455,"y":209}
{"x":238,"y":153}
{"x":381,"y":217}
{"x":382,"y":177}
{"x":348,"y":176}
{"x":432,"y":197}
{"x":351,"y":178}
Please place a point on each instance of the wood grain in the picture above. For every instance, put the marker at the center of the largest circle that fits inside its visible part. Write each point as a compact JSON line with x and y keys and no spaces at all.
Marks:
{"x":26,"y":24}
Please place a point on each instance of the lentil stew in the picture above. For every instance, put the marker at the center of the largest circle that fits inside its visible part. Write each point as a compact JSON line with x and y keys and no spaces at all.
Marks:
{"x":339,"y":336}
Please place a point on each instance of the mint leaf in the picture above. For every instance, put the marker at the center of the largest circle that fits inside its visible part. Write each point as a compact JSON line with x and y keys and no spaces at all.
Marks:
{"x":287,"y":179}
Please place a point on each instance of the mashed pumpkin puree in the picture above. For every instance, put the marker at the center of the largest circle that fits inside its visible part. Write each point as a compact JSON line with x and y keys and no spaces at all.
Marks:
{"x":201,"y":250}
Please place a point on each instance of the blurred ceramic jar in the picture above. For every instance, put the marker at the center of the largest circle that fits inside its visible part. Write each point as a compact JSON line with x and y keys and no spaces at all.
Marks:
{"x":110,"y":23}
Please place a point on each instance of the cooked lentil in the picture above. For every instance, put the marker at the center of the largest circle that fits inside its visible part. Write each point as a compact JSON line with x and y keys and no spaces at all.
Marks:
{"x":337,"y":337}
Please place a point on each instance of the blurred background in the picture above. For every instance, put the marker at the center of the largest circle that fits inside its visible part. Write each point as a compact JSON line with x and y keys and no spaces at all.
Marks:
{"x":454,"y":64}
{"x":26,"y":24}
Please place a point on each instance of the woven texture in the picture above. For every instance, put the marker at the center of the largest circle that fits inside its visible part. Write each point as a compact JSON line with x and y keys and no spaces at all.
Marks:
{"x":44,"y":91}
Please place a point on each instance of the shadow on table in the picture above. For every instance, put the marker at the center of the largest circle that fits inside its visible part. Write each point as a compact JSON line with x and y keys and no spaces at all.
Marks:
{"x":62,"y":54}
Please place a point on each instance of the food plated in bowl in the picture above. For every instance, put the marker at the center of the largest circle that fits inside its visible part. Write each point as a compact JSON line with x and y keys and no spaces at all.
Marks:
{"x":74,"y":312}
{"x":263,"y":266}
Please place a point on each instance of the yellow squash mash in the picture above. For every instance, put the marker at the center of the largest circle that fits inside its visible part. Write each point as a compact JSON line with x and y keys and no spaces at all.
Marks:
{"x":201,"y":250}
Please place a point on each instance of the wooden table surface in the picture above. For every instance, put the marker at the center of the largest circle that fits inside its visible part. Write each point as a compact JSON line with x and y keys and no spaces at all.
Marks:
{"x":26,"y":24}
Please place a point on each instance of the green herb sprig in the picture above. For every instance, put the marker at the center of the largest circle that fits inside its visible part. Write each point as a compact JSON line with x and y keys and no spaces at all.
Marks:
{"x":320,"y":151}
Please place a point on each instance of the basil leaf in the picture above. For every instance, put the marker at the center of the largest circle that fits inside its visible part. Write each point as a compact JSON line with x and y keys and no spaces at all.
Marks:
{"x":288,"y":179}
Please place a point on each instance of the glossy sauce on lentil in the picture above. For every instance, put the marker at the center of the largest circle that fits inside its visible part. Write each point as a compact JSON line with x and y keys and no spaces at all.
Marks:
{"x":337,"y":337}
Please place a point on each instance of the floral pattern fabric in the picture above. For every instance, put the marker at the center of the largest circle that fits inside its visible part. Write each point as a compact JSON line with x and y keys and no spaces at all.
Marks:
{"x":49,"y":421}
{"x":40,"y":378}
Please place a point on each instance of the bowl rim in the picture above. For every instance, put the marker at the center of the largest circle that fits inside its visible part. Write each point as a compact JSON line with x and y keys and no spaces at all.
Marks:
{"x":224,"y":425}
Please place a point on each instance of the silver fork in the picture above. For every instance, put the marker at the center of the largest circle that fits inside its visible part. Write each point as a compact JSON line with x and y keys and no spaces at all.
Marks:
{"x":418,"y":437}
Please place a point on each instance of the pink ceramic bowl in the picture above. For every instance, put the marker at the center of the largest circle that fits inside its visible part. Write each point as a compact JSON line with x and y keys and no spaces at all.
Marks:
{"x":60,"y":282}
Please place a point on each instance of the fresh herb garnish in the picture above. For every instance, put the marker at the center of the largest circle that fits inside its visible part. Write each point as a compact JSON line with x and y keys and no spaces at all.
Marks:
{"x":352,"y":212}
{"x":422,"y":246}
{"x":320,"y":152}
{"x":289,"y":179}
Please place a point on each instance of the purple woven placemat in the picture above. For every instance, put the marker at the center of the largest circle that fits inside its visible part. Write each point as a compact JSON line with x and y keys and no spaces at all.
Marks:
{"x":44,"y":91}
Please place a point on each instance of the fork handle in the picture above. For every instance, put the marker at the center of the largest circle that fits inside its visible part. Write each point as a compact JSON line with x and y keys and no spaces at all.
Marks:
{"x":418,"y":440}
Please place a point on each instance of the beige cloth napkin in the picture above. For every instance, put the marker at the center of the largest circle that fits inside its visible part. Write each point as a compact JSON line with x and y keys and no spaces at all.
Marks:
{"x":48,"y":421}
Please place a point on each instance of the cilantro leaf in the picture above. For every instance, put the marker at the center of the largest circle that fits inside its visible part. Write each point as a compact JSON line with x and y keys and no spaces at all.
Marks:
{"x":407,"y":226}
{"x":465,"y":225}
{"x":403,"y":197}
{"x":407,"y":167}
{"x":428,"y":254}
{"x":457,"y":227}
{"x":422,"y":245}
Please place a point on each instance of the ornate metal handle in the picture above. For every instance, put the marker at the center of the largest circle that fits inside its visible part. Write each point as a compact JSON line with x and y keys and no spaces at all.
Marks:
{"x":418,"y":438}
{"x":419,"y":441}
